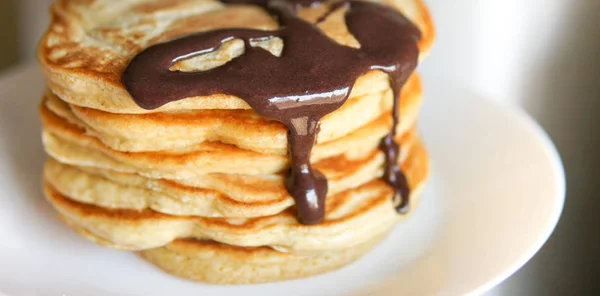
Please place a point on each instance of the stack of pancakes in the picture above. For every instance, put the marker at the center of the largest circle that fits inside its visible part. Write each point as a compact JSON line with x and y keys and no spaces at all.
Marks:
{"x":197,"y":186}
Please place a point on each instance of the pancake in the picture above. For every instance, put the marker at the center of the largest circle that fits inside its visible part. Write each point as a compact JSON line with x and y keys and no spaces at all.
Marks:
{"x":212,"y":195}
{"x":352,"y":217}
{"x":72,"y":144}
{"x":86,"y":48}
{"x":243,"y":128}
{"x":216,"y":263}
{"x":219,"y":264}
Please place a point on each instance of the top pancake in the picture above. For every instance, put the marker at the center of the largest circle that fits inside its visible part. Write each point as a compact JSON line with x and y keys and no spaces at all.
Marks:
{"x":90,"y":43}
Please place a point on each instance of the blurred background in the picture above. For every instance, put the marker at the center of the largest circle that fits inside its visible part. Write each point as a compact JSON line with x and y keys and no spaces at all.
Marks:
{"x":543,"y":55}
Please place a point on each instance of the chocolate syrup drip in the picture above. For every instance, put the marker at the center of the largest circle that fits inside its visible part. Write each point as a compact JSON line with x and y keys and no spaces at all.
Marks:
{"x":312,"y":78}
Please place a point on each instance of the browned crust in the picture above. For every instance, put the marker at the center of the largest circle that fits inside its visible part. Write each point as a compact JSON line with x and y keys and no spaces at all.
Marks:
{"x":416,"y":168}
{"x":428,"y":31}
{"x":425,"y":44}
{"x":199,"y":257}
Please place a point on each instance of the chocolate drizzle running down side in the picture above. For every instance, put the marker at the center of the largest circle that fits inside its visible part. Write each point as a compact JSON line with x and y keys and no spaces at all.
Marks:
{"x":313,"y":77}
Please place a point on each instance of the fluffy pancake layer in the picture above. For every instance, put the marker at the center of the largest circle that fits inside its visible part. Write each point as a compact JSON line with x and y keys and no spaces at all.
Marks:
{"x":222,"y":264}
{"x":212,"y":195}
{"x":352,"y":217}
{"x":209,"y":179}
{"x":70,"y":139}
{"x":242,"y":128}
{"x":217,"y":263}
{"x":86,"y":48}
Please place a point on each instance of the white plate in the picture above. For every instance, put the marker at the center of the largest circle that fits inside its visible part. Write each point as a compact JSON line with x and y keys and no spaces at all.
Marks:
{"x":495,"y":195}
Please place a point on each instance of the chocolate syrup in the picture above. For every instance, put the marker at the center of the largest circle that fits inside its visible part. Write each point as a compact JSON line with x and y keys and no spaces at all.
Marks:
{"x":313,"y":77}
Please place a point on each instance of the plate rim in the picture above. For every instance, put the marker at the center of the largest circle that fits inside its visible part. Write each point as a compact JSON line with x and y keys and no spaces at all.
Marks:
{"x":555,"y":160}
